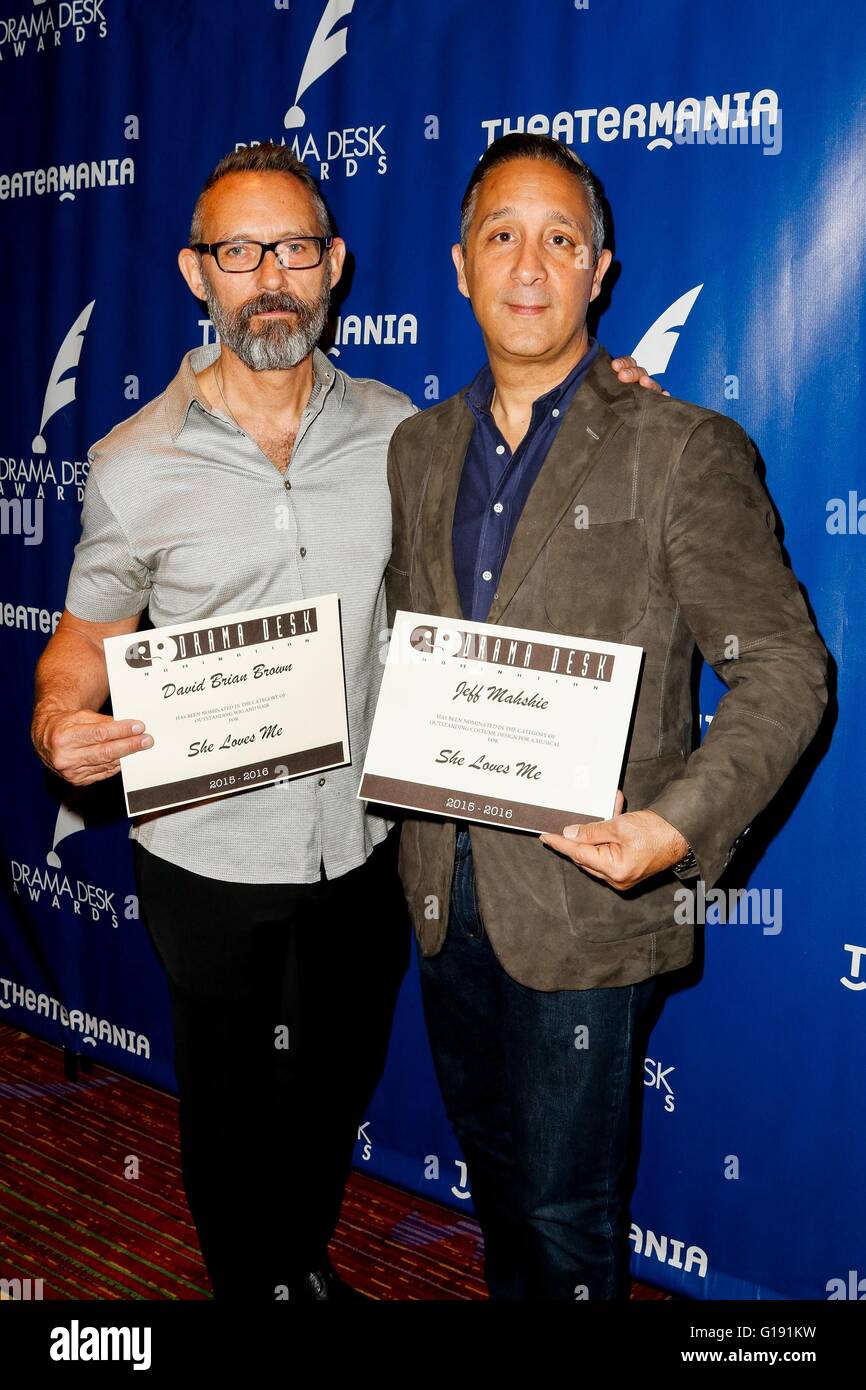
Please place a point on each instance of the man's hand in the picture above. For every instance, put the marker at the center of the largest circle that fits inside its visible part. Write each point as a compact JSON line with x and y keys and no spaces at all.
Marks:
{"x":83,"y":746}
{"x":624,"y":850}
{"x":627,"y":370}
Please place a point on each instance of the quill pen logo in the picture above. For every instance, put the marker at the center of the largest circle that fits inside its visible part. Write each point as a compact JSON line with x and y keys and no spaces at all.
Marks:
{"x":326,"y":49}
{"x":656,"y":347}
{"x":60,"y":390}
{"x":333,"y":152}
{"x":69,"y":822}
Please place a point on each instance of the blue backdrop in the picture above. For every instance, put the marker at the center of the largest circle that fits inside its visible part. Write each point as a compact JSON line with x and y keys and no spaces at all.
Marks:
{"x":729,"y":138}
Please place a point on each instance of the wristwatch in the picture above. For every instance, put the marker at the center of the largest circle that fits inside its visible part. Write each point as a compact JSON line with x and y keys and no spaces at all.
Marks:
{"x":687,"y":866}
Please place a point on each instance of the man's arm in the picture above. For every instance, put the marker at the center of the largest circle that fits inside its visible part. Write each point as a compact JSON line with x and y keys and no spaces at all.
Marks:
{"x":750,"y":621}
{"x":69,"y":734}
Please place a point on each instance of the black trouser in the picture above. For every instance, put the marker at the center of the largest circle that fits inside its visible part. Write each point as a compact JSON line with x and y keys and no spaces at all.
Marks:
{"x":268,"y":1129}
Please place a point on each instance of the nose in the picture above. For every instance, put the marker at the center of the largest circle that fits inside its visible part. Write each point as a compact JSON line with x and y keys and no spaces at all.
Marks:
{"x":270,"y":272}
{"x":528,"y":266}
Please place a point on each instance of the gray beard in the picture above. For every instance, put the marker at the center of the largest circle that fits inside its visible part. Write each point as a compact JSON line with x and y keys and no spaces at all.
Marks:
{"x":277,"y":345}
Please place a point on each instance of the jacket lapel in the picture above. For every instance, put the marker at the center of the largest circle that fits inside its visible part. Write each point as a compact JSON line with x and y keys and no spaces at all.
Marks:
{"x":433,"y":584}
{"x":587,"y":428}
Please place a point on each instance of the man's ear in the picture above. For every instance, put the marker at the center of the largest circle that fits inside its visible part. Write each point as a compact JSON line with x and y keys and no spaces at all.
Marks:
{"x":190,"y":269}
{"x":601,"y":268}
{"x":460,"y":266}
{"x":336,"y":259}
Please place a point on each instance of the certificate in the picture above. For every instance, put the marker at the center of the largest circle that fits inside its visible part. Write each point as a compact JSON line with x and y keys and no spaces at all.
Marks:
{"x":501,"y":725}
{"x":232,"y":702}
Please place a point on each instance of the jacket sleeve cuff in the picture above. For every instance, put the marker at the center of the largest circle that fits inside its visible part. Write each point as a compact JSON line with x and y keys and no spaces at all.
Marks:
{"x":678,"y":805}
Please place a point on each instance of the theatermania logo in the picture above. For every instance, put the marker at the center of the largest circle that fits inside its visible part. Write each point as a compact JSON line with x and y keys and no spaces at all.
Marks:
{"x":354,"y":330}
{"x":732,"y":118}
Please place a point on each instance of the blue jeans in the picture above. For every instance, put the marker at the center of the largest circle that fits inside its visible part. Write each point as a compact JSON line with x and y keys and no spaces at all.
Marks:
{"x":541,"y":1089}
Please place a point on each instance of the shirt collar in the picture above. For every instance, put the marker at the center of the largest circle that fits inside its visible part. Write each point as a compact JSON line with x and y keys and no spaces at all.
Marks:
{"x":479,"y":392}
{"x":183,"y":390}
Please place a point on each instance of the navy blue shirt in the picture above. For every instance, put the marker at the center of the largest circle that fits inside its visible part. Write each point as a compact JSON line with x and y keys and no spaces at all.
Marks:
{"x":495,"y":484}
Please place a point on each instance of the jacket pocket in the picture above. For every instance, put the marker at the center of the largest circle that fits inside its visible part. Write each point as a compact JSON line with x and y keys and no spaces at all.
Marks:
{"x":601,"y":914}
{"x":597,"y":578}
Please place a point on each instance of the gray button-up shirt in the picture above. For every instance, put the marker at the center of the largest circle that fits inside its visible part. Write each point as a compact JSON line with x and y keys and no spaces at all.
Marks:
{"x":183,"y":514}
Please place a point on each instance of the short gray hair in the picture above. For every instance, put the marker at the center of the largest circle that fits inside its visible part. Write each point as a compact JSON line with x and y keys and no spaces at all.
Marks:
{"x":261,"y":159}
{"x":520,"y":146}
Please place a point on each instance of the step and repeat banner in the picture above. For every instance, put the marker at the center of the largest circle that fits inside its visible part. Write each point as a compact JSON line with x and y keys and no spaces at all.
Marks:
{"x":729,"y":139}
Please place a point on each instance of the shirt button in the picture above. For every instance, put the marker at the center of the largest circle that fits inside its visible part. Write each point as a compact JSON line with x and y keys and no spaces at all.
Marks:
{"x":321,"y":781}
{"x":497,"y":507}
{"x":555,"y":414}
{"x":487,"y":575}
{"x":500,"y":448}
{"x":287,"y":485}
{"x":303,"y":551}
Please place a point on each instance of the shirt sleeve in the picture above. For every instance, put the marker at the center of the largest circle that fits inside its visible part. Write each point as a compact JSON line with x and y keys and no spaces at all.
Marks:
{"x":107,"y":581}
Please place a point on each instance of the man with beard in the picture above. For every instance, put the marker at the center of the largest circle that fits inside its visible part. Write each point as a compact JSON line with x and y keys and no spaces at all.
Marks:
{"x":258,"y":476}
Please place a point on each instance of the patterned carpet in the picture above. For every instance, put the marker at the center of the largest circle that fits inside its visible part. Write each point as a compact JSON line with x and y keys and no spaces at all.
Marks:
{"x":72,"y":1214}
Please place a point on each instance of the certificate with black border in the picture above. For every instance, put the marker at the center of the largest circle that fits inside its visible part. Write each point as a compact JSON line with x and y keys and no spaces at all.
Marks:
{"x":507,"y":726}
{"x":233,"y":702}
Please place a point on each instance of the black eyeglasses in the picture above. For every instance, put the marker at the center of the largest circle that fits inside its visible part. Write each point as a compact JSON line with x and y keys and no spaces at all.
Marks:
{"x":292,"y":253}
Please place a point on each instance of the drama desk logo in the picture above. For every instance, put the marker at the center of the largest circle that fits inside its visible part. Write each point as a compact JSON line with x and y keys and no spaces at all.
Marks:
{"x":141,"y":654}
{"x":655,"y":349}
{"x":47,"y":27}
{"x":60,"y":390}
{"x":93,"y":901}
{"x":78,"y":900}
{"x":24,"y":481}
{"x":327,"y":48}
{"x":352,"y":148}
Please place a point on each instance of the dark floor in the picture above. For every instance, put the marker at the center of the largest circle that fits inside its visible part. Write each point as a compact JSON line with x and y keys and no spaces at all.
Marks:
{"x":73,"y":1214}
